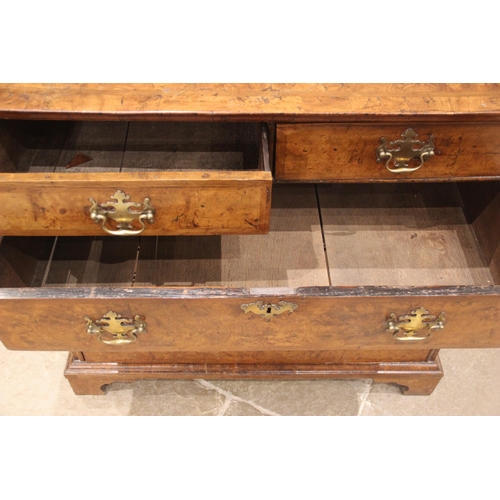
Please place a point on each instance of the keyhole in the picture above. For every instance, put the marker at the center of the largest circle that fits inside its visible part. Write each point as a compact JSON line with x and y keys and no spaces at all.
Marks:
{"x":268,"y":310}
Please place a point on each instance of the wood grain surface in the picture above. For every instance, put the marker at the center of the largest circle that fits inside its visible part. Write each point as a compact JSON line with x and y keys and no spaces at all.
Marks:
{"x":160,"y":146}
{"x":413,"y":378}
{"x":279,"y":102}
{"x":264,"y":357}
{"x":383,"y":236}
{"x":348,"y":152}
{"x":31,"y":146}
{"x":85,"y":146}
{"x":424,"y":247}
{"x":290,"y":255}
{"x":186,"y":202}
{"x":482,"y":202}
{"x":101,"y":143}
{"x":93,"y":261}
{"x":200,"y":178}
{"x":400,"y":235}
{"x":177,"y":321}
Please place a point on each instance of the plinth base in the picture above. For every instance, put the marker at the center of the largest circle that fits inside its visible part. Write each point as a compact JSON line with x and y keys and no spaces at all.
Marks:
{"x":414,"y":378}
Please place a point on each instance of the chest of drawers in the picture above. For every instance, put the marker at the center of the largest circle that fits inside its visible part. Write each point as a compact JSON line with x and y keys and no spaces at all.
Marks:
{"x":143,"y":233}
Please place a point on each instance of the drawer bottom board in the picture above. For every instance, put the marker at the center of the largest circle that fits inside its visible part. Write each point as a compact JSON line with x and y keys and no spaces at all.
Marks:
{"x":413,"y":377}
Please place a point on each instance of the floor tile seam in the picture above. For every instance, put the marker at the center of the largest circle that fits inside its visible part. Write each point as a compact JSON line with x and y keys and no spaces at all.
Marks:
{"x":225,"y":406}
{"x":364,"y":399}
{"x":231,"y":397}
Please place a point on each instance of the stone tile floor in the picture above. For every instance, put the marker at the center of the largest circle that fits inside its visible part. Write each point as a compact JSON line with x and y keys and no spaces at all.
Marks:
{"x":32,"y":383}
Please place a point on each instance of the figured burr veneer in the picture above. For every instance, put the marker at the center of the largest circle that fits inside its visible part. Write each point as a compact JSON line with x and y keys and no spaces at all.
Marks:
{"x":312,"y":152}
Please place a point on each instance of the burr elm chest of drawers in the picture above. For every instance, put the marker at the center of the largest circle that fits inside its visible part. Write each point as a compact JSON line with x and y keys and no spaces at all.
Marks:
{"x":250,"y":231}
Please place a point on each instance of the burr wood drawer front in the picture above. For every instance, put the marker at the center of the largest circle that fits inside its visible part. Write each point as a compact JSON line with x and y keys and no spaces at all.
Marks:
{"x":420,"y":151}
{"x":232,"y":320}
{"x":157,"y":204}
{"x":99,"y":178}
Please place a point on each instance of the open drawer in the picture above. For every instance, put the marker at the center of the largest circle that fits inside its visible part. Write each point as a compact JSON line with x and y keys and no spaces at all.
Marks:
{"x":98,"y":178}
{"x":343,"y":268}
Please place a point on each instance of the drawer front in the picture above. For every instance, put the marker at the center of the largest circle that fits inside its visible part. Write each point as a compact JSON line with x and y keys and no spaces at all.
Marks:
{"x":158,"y":178}
{"x":213,"y":320}
{"x":327,"y":152}
{"x":183,"y":203}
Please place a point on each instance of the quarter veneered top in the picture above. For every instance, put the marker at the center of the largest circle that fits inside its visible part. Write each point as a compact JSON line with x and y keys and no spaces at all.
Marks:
{"x":279,"y":102}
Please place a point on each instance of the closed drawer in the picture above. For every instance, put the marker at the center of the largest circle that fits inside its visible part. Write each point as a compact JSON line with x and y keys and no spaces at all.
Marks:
{"x":60,"y":178}
{"x":326,"y":152}
{"x":386,"y":264}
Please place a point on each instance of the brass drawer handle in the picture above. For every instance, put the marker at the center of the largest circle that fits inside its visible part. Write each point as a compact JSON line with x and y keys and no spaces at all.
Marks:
{"x":123,"y":212}
{"x":268,"y":311}
{"x":113,"y":329}
{"x":406,"y":327}
{"x":403,"y":152}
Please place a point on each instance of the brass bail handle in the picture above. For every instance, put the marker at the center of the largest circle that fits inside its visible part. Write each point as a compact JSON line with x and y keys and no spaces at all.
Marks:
{"x":417,"y":325}
{"x":113,"y":329}
{"x":401,"y":152}
{"x":123,"y":212}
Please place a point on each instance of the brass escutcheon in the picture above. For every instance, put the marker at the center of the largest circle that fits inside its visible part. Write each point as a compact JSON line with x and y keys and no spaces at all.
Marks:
{"x":403,"y":152}
{"x":113,"y":329}
{"x":406,"y":327}
{"x":268,"y":311}
{"x":123,"y":213}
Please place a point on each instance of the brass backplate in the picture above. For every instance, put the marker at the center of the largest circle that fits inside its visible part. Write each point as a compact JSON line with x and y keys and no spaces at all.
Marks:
{"x":123,"y":212}
{"x":417,"y":325}
{"x":114,"y":329}
{"x":401,"y":152}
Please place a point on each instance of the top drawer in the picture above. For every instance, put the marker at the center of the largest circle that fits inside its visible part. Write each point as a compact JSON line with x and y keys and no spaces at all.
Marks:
{"x":311,"y":152}
{"x":98,"y":178}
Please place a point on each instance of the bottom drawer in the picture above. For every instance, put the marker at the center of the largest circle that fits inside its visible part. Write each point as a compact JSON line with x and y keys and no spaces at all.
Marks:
{"x":364,"y":267}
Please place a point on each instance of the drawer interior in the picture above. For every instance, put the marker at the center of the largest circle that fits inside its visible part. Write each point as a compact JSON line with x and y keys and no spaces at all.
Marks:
{"x":441,"y":234}
{"x":90,"y":146}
